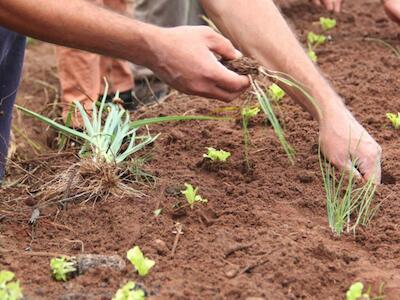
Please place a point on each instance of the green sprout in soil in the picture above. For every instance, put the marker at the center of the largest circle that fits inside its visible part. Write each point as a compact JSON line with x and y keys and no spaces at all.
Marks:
{"x":394,"y":119}
{"x":247,"y":113}
{"x":61,"y":268}
{"x":356,"y":292}
{"x":130,"y":292}
{"x":313,"y":41}
{"x":9,"y":287}
{"x":347,"y":206}
{"x":191,"y":195}
{"x":394,"y":49}
{"x":217,"y":155}
{"x":275,"y":92}
{"x":327,"y":23}
{"x":141,"y":263}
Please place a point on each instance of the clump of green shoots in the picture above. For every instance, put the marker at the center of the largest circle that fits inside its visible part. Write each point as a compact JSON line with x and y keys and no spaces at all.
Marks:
{"x":141,"y":263}
{"x":247,"y":113}
{"x":347,"y":206}
{"x":9,"y":287}
{"x":191,"y":195}
{"x":327,"y":23}
{"x":61,"y":268}
{"x":356,"y":292}
{"x":217,"y":155}
{"x":130,"y":292}
{"x":394,"y":119}
{"x":275,"y":92}
{"x":313,"y":41}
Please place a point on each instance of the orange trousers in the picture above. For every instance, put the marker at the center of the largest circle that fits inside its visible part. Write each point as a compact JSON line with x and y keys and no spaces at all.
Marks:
{"x":82,"y":73}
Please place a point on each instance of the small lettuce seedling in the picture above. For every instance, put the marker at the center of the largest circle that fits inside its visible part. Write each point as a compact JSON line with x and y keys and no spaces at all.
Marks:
{"x":312,"y":55}
{"x":247,"y":112}
{"x":129,"y":292}
{"x":9,"y":288}
{"x":275,"y":92}
{"x":61,"y":268}
{"x":327,"y":23}
{"x":217,"y":155}
{"x":250,"y":112}
{"x":394,"y":119}
{"x":141,"y":263}
{"x":314,"y":39}
{"x":191,"y":195}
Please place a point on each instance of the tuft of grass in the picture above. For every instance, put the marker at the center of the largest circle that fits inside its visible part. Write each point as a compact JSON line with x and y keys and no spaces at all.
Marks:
{"x":347,"y":206}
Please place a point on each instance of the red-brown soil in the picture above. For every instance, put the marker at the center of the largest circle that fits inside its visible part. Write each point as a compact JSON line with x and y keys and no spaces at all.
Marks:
{"x":277,"y":211}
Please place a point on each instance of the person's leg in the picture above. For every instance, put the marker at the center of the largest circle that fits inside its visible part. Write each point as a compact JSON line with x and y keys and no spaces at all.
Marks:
{"x":12,"y":48}
{"x":392,"y":8}
{"x":117,"y":72}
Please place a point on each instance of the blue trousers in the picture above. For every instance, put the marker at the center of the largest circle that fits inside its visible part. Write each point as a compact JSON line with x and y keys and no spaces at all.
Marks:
{"x":12,"y":49}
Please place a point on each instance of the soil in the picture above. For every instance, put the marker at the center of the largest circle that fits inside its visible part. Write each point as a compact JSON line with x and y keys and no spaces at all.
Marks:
{"x":262,"y":233}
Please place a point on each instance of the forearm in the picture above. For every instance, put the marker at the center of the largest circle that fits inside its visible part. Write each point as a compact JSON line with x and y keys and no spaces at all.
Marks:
{"x":257,"y":28}
{"x":79,"y":24}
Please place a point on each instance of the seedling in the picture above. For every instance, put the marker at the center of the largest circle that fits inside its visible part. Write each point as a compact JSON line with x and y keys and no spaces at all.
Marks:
{"x":313,"y":41}
{"x":247,"y":112}
{"x":217,"y":155}
{"x":130,"y":292}
{"x":9,"y":287}
{"x":61,"y":268}
{"x":394,"y":119}
{"x":327,"y":23}
{"x":275,"y":92}
{"x":191,"y":195}
{"x":347,"y":206}
{"x":141,"y":263}
{"x":356,"y":292}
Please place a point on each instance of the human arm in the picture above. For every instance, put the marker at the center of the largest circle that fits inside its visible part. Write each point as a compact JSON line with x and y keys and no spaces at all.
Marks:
{"x":259,"y":31}
{"x":181,"y":56}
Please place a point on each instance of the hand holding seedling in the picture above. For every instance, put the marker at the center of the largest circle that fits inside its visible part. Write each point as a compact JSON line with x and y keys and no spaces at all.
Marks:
{"x":343,"y":139}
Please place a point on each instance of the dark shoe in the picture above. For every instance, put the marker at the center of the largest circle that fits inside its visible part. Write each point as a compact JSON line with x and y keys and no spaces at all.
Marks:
{"x":149,"y":90}
{"x":129,"y":103}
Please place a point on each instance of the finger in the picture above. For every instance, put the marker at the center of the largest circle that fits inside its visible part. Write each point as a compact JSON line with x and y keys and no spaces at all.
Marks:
{"x":317,"y":2}
{"x":328,"y":4}
{"x":222,"y":46}
{"x":349,"y":168}
{"x":371,"y":169}
{"x":218,"y":93}
{"x":337,"y":6}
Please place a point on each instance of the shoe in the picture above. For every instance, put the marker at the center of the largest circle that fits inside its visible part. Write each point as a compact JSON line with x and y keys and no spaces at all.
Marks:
{"x":149,"y":90}
{"x":129,"y":103}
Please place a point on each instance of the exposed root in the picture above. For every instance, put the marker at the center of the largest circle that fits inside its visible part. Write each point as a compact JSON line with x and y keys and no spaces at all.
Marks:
{"x":86,"y":181}
{"x":242,"y":66}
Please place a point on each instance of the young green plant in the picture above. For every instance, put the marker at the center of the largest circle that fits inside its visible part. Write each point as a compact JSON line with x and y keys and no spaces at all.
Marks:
{"x":9,"y":287}
{"x":217,"y":155}
{"x":313,"y":42}
{"x":394,"y":119}
{"x":247,"y":112}
{"x":191,"y":195}
{"x":129,"y":292}
{"x":275,"y":92}
{"x":347,"y":206}
{"x":327,"y":23}
{"x":62,"y":268}
{"x":141,"y":263}
{"x":356,"y":292}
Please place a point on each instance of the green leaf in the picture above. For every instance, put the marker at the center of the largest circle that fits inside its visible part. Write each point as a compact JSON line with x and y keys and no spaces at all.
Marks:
{"x":312,"y":55}
{"x":355,"y":291}
{"x":394,"y":119}
{"x":149,"y":121}
{"x":327,"y":23}
{"x":191,"y":195}
{"x":9,"y":289}
{"x":141,"y":263}
{"x":217,"y":155}
{"x":250,"y":112}
{"x":316,"y":39}
{"x":129,"y":292}
{"x":275,"y":92}
{"x":61,"y":268}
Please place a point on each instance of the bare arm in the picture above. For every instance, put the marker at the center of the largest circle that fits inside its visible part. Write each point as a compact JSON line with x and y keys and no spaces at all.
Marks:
{"x":168,"y":52}
{"x":257,"y":28}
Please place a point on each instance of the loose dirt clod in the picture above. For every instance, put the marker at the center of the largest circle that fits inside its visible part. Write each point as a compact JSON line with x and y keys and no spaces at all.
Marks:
{"x":86,"y":262}
{"x":242,"y":66}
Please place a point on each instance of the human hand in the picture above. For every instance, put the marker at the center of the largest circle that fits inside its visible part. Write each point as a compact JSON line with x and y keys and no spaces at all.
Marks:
{"x":184,"y":58}
{"x":343,"y":139}
{"x":392,"y":9}
{"x":331,"y":5}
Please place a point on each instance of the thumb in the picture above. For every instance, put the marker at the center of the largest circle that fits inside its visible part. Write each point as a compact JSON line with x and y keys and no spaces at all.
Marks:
{"x":222,"y":46}
{"x":350,"y":168}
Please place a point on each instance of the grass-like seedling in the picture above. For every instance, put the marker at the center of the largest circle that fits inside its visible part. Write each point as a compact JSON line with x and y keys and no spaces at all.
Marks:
{"x":10,"y":288}
{"x":61,"y":268}
{"x":347,"y":206}
{"x":394,"y":49}
{"x":247,"y":113}
{"x":356,"y":292}
{"x":141,"y":263}
{"x":191,"y":195}
{"x":129,"y":292}
{"x":327,"y":23}
{"x":394,"y":119}
{"x":275,"y":92}
{"x":217,"y":155}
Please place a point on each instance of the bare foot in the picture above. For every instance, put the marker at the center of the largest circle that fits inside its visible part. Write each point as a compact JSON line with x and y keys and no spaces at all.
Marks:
{"x":392,"y":8}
